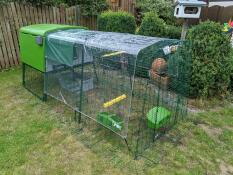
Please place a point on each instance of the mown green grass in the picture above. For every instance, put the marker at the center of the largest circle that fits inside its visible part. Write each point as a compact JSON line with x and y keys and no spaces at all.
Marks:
{"x":42,"y":138}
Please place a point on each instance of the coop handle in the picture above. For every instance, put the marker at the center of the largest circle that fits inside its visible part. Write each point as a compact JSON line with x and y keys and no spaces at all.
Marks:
{"x":114,"y":101}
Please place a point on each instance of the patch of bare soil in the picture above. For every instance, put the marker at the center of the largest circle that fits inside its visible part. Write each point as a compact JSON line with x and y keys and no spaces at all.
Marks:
{"x":228,"y":128}
{"x":226,"y":169}
{"x":213,"y":133}
{"x":193,"y":109}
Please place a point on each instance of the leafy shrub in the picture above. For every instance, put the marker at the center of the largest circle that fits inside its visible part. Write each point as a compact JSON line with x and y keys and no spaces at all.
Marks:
{"x":91,"y":7}
{"x":173,"y":32}
{"x":116,"y":22}
{"x":88,"y":7}
{"x":211,"y":63}
{"x":152,"y":25}
{"x":231,"y":76}
{"x":164,"y":9}
{"x":179,"y":66}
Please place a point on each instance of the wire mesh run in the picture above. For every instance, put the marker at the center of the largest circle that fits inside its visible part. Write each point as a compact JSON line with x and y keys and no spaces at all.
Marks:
{"x":135,"y":86}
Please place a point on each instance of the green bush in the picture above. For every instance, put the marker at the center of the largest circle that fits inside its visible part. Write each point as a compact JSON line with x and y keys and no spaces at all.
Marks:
{"x":211,"y":62}
{"x":179,"y":66}
{"x":173,"y":32}
{"x":231,"y":76}
{"x":152,"y":25}
{"x":164,"y":9}
{"x":88,"y":7}
{"x":116,"y":22}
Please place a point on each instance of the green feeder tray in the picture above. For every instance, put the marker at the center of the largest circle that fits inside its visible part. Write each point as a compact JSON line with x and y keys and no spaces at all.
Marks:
{"x":157,"y":117}
{"x":111,"y":121}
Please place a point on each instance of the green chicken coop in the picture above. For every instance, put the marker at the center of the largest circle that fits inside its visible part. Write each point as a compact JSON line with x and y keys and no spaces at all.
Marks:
{"x":134,"y":86}
{"x":32,"y":53}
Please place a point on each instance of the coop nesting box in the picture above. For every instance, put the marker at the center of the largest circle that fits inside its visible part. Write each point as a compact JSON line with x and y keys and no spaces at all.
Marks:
{"x":188,"y":8}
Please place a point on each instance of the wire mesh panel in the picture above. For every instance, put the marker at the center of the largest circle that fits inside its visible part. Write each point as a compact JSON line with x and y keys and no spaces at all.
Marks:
{"x":135,"y":86}
{"x":33,"y":80}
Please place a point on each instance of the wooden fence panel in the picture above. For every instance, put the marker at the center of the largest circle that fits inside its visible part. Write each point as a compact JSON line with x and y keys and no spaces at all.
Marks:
{"x":62,"y":15}
{"x":50,"y":14}
{"x":2,"y":64}
{"x":5,"y":58}
{"x":8,"y":54}
{"x":22,"y":11}
{"x":15,"y":15}
{"x":226,"y":14}
{"x":31,"y":13}
{"x":47,"y":15}
{"x":13,"y":32}
{"x":40,"y":16}
{"x":125,"y":5}
{"x":43,"y":20}
{"x":2,"y":61}
{"x":9,"y":35}
{"x":54,"y":14}
{"x":217,"y":13}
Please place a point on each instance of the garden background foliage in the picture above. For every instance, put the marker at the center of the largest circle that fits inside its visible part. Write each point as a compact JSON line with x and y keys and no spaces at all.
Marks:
{"x":153,"y":25}
{"x":164,"y":9}
{"x":117,"y":22}
{"x":211,"y":60}
{"x":88,"y":7}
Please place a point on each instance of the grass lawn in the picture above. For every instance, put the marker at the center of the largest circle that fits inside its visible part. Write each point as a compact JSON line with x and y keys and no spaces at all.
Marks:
{"x":40,"y":138}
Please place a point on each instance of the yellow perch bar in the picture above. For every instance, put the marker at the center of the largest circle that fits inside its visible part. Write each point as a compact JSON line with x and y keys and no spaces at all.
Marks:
{"x":114,"y":101}
{"x":113,"y":54}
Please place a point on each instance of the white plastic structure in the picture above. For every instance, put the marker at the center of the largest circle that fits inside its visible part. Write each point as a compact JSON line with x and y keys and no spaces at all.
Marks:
{"x":188,"y":8}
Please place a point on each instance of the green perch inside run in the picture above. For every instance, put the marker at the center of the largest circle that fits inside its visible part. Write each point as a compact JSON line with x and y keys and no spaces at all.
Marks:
{"x":110,"y":120}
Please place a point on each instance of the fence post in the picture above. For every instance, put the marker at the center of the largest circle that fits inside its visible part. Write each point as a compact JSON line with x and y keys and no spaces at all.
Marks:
{"x":62,"y":14}
{"x":78,"y":15}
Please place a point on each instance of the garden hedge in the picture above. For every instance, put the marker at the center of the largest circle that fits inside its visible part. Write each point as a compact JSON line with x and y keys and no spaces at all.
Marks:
{"x":173,"y":32}
{"x":152,"y":25}
{"x":164,"y":9}
{"x":211,"y":60}
{"x":231,"y":76}
{"x":88,"y":7}
{"x":117,"y":22}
